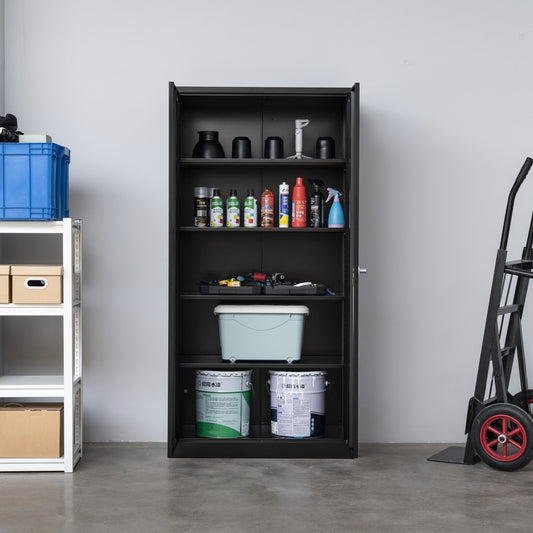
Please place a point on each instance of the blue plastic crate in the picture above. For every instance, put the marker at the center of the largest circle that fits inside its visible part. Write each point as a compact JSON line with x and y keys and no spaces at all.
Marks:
{"x":33,"y":181}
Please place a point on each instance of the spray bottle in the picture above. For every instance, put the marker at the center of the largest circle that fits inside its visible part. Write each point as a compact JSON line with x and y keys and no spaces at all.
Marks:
{"x":316,"y":205}
{"x":336,"y":214}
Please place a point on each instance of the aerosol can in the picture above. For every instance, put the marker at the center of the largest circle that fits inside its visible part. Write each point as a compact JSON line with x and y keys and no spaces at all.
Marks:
{"x":250,"y":210}
{"x":233,"y":217}
{"x":336,"y":214}
{"x":217,"y":209}
{"x":267,"y":209}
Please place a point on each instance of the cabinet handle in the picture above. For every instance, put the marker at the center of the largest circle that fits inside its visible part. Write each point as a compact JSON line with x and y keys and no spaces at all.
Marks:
{"x":362,"y":270}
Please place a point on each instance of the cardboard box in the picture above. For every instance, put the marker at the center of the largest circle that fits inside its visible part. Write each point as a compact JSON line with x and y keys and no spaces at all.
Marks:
{"x":37,"y":284}
{"x":31,"y":430}
{"x":5,"y":285}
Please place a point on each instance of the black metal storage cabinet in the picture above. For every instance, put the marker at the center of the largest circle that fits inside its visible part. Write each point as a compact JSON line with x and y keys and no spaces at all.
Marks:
{"x":324,"y":255}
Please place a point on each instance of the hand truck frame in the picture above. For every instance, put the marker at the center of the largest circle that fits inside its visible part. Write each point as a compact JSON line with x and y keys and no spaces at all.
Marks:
{"x":499,"y":426}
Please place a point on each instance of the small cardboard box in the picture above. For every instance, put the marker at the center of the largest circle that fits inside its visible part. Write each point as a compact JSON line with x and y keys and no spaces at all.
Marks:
{"x":31,"y":430}
{"x":37,"y":284}
{"x":5,"y":285}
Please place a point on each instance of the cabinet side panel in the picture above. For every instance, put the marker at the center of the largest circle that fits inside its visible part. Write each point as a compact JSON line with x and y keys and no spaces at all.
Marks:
{"x":172,"y":318}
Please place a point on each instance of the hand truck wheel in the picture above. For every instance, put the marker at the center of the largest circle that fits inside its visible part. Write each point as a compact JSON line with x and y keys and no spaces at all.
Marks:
{"x":502,"y":436}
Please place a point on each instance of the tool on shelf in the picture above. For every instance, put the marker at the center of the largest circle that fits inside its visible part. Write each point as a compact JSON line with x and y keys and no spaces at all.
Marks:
{"x":299,"y":124}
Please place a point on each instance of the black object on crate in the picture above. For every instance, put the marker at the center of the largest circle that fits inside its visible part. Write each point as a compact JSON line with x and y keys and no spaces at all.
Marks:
{"x":316,"y":289}
{"x":223,"y":289}
{"x":499,"y":424}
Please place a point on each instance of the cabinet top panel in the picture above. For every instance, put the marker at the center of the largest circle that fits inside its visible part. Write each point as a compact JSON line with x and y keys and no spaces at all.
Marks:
{"x":267,"y":91}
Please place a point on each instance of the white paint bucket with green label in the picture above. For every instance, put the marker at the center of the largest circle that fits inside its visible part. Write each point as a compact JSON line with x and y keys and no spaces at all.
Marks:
{"x":223,"y":403}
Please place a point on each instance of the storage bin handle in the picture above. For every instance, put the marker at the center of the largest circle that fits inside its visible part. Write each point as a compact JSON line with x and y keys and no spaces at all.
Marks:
{"x":247,"y":326}
{"x":36,"y":283}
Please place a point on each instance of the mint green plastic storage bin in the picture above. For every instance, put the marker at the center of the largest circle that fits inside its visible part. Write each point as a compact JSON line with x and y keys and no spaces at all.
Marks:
{"x":261,"y":332}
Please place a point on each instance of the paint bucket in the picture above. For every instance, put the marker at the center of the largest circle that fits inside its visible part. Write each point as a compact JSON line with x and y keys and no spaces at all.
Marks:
{"x":223,"y":403}
{"x":298,"y":404}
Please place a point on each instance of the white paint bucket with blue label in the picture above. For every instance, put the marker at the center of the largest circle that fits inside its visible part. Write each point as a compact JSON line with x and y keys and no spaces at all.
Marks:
{"x":298,"y":404}
{"x":223,"y":403}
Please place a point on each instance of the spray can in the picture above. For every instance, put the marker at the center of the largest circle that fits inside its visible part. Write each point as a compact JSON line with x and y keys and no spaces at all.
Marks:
{"x":217,"y":210}
{"x":284,"y":205}
{"x":201,"y":207}
{"x":299,"y":205}
{"x":250,"y":210}
{"x":233,"y":211}
{"x":316,"y":206}
{"x":267,"y":209}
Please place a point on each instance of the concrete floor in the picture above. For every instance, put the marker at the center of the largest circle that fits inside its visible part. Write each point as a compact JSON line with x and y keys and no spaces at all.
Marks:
{"x":392,"y":487}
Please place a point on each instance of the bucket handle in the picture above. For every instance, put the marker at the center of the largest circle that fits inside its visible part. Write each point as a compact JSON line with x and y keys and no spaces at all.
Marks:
{"x":251,"y":386}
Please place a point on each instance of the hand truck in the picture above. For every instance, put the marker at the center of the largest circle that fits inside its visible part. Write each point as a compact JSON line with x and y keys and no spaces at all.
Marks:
{"x":499,"y":424}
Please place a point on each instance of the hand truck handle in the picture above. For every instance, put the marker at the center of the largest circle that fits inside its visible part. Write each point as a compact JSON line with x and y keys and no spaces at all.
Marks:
{"x":510,"y":202}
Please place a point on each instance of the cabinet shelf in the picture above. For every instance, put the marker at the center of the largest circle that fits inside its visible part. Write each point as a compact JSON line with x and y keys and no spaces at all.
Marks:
{"x":260,"y":163}
{"x":215,"y":362}
{"x":31,"y":386}
{"x":262,"y":230}
{"x":270,"y":297}
{"x":264,"y":447}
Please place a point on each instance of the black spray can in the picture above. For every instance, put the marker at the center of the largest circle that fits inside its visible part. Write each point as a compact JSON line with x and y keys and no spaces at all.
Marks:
{"x":201,"y":207}
{"x":316,"y":205}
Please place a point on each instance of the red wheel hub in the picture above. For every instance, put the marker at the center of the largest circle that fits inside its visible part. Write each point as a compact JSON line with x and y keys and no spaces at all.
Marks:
{"x":503,"y":438}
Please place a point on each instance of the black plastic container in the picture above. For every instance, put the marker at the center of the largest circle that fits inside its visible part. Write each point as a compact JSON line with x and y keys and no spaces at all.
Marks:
{"x":241,"y":148}
{"x":273,"y":148}
{"x":208,"y":146}
{"x":325,"y":148}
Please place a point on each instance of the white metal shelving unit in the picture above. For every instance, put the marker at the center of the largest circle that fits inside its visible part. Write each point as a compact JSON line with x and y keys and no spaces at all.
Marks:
{"x":68,"y":386}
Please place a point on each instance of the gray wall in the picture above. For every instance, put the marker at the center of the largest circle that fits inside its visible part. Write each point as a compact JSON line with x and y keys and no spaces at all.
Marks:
{"x":2,"y":56}
{"x":446,"y":122}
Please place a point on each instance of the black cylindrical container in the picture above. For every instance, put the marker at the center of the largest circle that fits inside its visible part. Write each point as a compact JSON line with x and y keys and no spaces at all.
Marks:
{"x":325,"y":148}
{"x":241,"y":148}
{"x":273,"y":148}
{"x":208,"y":145}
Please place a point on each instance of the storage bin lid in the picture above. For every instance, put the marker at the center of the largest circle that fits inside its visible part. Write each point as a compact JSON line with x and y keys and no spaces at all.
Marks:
{"x":4,"y":270}
{"x":262,"y":309}
{"x":36,"y":270}
{"x":31,"y":407}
